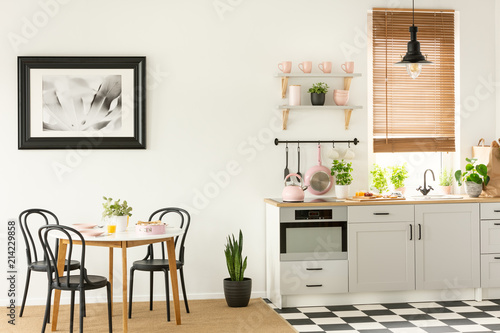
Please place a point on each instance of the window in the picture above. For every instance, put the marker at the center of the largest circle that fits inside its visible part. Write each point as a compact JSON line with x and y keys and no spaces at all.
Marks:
{"x":413,"y":115}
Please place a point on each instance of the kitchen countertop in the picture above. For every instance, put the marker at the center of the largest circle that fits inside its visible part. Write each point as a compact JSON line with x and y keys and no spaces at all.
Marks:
{"x":408,"y":201}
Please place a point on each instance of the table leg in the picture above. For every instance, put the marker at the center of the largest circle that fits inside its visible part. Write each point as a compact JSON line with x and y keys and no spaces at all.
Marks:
{"x":111,"y":275}
{"x":57,"y":293}
{"x":173,"y":276}
{"x":124,"y":283}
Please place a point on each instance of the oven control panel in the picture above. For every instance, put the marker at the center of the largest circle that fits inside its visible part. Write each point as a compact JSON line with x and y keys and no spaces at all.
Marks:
{"x":302,"y":214}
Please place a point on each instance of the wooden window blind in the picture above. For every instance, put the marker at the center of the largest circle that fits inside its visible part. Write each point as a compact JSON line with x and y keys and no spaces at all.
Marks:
{"x":413,"y":114}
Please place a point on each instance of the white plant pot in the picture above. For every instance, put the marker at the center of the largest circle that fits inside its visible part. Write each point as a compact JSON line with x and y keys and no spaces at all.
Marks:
{"x":342,"y":191}
{"x":473,"y":190}
{"x":121,"y":223}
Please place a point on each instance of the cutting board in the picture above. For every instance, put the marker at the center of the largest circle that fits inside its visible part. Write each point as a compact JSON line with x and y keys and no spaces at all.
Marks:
{"x":373,"y":199}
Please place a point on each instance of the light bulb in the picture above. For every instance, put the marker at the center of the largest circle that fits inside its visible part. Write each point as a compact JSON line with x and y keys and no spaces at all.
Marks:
{"x":414,"y":69}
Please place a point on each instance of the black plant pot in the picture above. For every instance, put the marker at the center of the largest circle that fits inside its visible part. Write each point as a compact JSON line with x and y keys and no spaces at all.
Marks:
{"x":317,"y":99}
{"x":237,"y":293}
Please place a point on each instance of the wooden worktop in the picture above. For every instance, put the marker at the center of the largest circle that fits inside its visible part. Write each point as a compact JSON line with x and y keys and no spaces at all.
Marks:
{"x":466,"y":199}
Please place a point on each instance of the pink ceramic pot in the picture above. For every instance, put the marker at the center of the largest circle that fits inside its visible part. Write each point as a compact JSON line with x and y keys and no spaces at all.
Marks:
{"x":341,"y":99}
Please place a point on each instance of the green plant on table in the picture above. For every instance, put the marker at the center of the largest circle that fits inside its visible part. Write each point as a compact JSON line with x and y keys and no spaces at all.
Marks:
{"x":342,"y":172}
{"x":399,"y":173}
{"x":379,"y":180}
{"x":234,"y":260}
{"x":446,"y":177}
{"x":319,"y":88}
{"x":115,"y":208}
{"x":473,"y":173}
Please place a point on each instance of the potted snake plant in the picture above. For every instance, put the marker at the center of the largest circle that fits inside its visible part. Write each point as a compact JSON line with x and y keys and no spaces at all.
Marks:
{"x":237,"y":288}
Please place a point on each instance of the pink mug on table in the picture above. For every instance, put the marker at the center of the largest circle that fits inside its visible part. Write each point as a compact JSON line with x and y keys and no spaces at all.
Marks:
{"x":348,"y":66}
{"x":325,"y":67}
{"x":285,"y":66}
{"x":306,"y":66}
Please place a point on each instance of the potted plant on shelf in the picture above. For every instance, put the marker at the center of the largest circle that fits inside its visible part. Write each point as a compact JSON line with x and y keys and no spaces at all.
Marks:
{"x":399,"y":173}
{"x":117,"y":213}
{"x":318,"y":92}
{"x":379,"y":180}
{"x":446,"y":181}
{"x":475,"y":177}
{"x":237,"y":288}
{"x":343,"y":178}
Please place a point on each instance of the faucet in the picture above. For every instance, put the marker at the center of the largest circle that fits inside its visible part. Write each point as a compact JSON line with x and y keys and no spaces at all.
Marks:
{"x":426,"y":190}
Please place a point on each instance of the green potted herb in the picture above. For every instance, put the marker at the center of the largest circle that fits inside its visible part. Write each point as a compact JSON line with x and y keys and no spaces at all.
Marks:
{"x":318,"y":92}
{"x":116,"y":213}
{"x":475,"y":177}
{"x":446,"y":181}
{"x":379,"y":180}
{"x":343,"y":178}
{"x":237,"y":288}
{"x":399,"y":173}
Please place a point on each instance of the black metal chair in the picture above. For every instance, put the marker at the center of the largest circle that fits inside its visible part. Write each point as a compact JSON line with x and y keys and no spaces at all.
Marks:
{"x":34,"y":263}
{"x":150,"y":264}
{"x":81,"y":282}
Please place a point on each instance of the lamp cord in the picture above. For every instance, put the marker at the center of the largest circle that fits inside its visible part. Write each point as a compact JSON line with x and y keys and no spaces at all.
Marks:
{"x":413,"y":5}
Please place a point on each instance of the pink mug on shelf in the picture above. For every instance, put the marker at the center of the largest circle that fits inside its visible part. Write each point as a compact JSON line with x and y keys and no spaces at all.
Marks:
{"x":285,"y":66}
{"x":325,"y":67}
{"x":348,"y":66}
{"x":306,"y":66}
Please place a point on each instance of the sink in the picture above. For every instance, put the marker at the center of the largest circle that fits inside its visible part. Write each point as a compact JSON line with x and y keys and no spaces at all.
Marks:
{"x":436,"y":197}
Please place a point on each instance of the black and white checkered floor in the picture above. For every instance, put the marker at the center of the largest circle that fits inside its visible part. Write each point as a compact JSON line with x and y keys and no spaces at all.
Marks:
{"x":429,"y":317}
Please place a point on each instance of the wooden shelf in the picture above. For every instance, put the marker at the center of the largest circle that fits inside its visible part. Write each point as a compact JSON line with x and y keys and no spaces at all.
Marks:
{"x":347,"y":111}
{"x":347,"y":85}
{"x":317,"y":75}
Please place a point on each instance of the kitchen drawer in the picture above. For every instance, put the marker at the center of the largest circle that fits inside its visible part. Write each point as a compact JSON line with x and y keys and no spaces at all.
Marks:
{"x":382,"y":213}
{"x":490,"y":211}
{"x":490,"y":236}
{"x":314,"y":277}
{"x":490,"y":270}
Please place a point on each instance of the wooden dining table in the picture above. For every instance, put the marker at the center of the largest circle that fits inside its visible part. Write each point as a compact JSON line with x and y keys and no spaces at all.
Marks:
{"x":124,"y":240}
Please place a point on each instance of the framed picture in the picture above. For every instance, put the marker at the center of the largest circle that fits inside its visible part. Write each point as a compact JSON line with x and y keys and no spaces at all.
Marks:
{"x":82,"y":102}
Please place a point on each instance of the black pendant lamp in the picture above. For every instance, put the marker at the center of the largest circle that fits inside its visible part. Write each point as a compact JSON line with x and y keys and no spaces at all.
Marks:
{"x":413,"y":60}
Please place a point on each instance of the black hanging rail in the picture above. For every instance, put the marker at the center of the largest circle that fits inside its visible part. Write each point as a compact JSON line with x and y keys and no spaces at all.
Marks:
{"x":355,"y":141}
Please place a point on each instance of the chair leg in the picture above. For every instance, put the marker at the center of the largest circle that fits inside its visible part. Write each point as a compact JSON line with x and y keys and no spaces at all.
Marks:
{"x":110,"y":319}
{"x":26,"y":286}
{"x":72,"y":311}
{"x":184,"y":289}
{"x":131,"y":292}
{"x":150,"y":291}
{"x":47,"y":310}
{"x":167,"y":294}
{"x":82,"y":308}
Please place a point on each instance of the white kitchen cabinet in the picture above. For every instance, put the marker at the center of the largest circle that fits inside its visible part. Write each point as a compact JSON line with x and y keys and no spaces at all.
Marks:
{"x":490,"y":245}
{"x":381,"y":255}
{"x":447,"y":251}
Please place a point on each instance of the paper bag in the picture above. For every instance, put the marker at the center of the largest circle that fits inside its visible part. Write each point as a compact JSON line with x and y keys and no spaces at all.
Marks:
{"x":493,"y":187}
{"x":481,"y":152}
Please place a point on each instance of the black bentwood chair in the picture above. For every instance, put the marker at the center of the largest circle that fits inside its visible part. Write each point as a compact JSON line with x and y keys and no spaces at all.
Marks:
{"x":150,"y":264}
{"x":81,"y":282}
{"x":31,"y":216}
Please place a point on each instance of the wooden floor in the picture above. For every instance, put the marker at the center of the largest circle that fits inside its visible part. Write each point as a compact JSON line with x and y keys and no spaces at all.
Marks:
{"x":206,"y":316}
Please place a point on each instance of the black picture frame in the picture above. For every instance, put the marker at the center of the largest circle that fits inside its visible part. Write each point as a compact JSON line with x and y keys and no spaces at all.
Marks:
{"x":29,"y":110}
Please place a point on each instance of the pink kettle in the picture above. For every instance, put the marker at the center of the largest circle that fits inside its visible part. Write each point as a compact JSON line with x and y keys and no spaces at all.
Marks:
{"x":294,"y":193}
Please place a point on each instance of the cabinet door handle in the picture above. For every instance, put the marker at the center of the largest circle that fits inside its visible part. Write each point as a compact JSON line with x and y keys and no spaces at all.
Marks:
{"x":314,"y":269}
{"x":411,"y":232}
{"x":419,"y":231}
{"x":497,"y":211}
{"x":496,"y":223}
{"x":313,"y":285}
{"x":497,"y":257}
{"x":380,"y":213}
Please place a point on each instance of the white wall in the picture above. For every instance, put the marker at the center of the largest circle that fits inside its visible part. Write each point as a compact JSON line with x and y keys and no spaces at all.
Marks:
{"x":211,"y":102}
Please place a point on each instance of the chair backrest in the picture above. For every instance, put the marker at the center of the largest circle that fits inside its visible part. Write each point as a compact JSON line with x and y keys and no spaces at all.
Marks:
{"x":185,"y":221}
{"x":65,"y":232}
{"x":30,"y":216}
